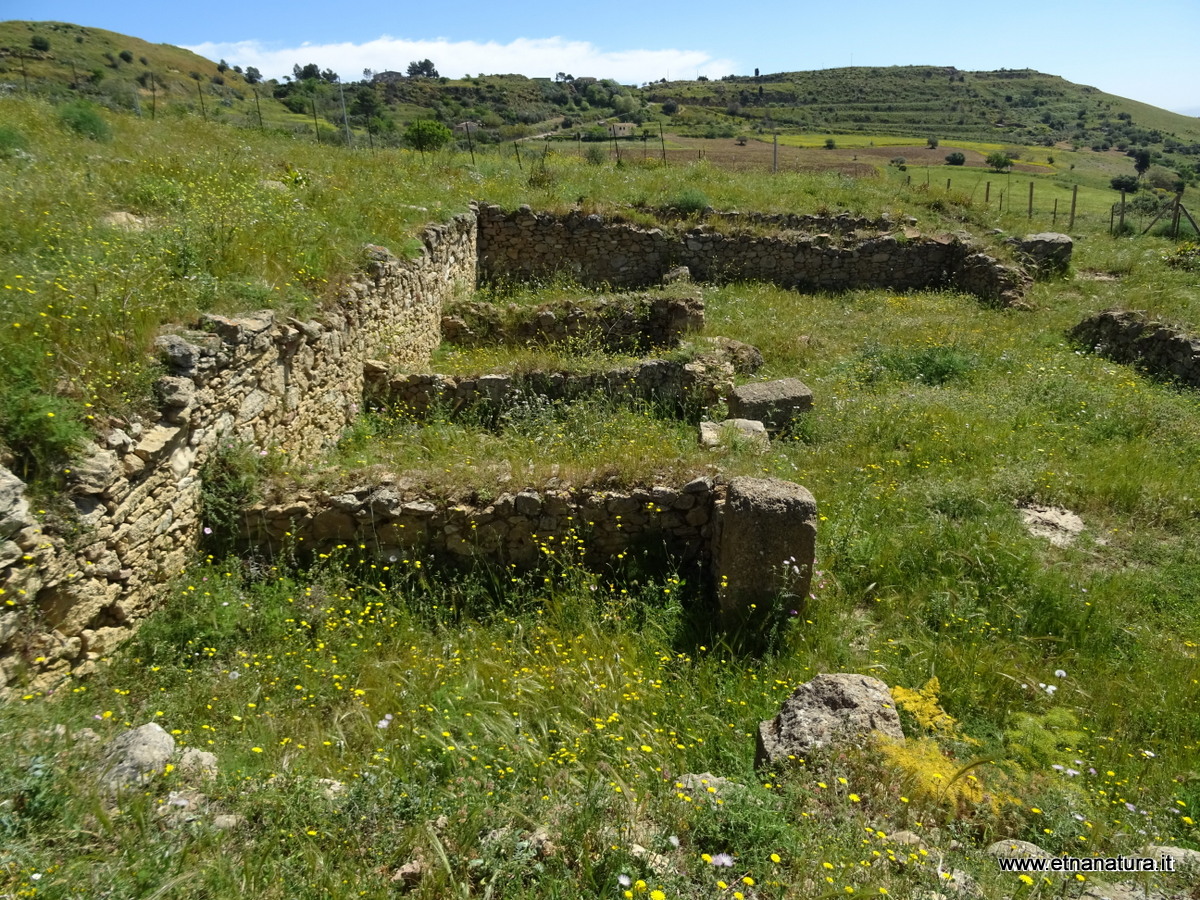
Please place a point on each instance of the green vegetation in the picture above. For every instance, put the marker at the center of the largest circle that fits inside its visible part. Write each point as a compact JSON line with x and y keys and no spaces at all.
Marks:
{"x":523,"y":734}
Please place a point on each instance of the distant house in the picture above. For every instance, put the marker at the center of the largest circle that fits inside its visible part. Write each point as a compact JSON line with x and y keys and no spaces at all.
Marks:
{"x":621,"y":129}
{"x":468,"y":128}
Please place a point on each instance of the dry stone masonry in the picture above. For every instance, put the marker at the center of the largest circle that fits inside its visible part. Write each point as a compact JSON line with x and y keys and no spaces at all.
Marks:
{"x":528,"y":245}
{"x":283,"y":385}
{"x":69,"y":595}
{"x":1130,"y":337}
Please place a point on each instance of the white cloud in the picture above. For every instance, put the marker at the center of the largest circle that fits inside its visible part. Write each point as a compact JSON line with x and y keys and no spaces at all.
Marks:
{"x":534,"y":57}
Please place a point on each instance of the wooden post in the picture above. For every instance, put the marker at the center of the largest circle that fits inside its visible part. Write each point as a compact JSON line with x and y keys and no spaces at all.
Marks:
{"x":1074,"y":197}
{"x":663,"y":141}
{"x":470,"y":142}
{"x":1112,"y":217}
{"x":1030,"y":200}
{"x":947,"y":185}
{"x":987,"y":194}
{"x":616,"y":150}
{"x":1054,"y":214}
{"x":1000,"y":207}
{"x":517,"y":150}
{"x":1121,"y":224}
{"x":775,"y":153}
{"x":908,"y":179}
{"x":1175,"y":218}
{"x":317,"y":128}
{"x":203,"y":111}
{"x":258,"y":107}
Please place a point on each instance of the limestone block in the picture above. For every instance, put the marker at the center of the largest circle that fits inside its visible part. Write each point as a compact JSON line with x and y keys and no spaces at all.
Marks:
{"x":766,"y":543}
{"x":830,"y":710}
{"x":776,"y":404}
{"x":735,"y":433}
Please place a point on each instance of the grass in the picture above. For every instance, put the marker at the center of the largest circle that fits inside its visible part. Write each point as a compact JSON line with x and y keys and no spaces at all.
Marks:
{"x":474,"y":716}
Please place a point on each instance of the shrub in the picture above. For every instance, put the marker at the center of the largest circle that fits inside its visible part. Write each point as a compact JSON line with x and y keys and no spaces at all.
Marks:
{"x":596,"y":154}
{"x":1127,"y":183}
{"x":931,"y":143}
{"x":670,"y":107}
{"x":11,"y":141}
{"x":899,"y":162}
{"x":690,"y":200}
{"x":427,"y":134}
{"x":126,"y":55}
{"x":84,"y":119}
{"x":830,"y":144}
{"x":956,"y":159}
{"x":39,"y":43}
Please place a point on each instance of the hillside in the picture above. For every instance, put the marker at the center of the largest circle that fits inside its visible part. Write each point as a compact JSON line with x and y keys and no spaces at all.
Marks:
{"x":1017,"y":106}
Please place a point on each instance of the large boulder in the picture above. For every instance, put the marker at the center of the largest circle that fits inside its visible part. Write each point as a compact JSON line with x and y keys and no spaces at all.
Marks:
{"x":765,"y":545}
{"x":776,"y":404}
{"x":829,"y":710}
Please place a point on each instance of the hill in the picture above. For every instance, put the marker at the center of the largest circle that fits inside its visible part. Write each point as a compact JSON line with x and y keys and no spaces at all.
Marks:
{"x":1016,"y":106}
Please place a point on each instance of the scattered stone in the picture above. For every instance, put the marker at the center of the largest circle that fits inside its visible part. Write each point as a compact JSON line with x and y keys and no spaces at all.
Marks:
{"x":906,"y":838}
{"x":776,"y":404}
{"x":746,"y":359}
{"x":677,"y":275}
{"x":1059,"y":526}
{"x":228,"y":821}
{"x":831,"y":709}
{"x":198,"y":764}
{"x":733,"y":434}
{"x":135,"y":757}
{"x":182,"y":807}
{"x":766,"y":543}
{"x":125,"y":221}
{"x":331,"y":788}
{"x":409,"y":875}
{"x":704,"y":787}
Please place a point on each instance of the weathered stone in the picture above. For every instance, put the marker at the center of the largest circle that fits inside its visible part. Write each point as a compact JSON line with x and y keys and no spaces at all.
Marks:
{"x":776,"y":404}
{"x":136,"y":756}
{"x":733,"y":434}
{"x":96,"y":472}
{"x":766,"y":543}
{"x":1046,"y":253}
{"x":198,"y":764}
{"x":830,"y":710}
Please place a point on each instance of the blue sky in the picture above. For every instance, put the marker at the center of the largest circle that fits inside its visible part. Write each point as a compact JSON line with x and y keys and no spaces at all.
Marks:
{"x":1149,"y":51}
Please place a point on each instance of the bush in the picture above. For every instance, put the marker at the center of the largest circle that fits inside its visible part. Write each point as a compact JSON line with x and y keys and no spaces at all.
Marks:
{"x":596,"y":154}
{"x":84,"y":119}
{"x":427,"y":134}
{"x":11,"y":141}
{"x":126,"y":55}
{"x":956,"y":159}
{"x":931,"y":143}
{"x":39,"y":43}
{"x":999,"y":161}
{"x":670,"y":107}
{"x":1127,"y":183}
{"x":830,"y":144}
{"x":691,"y":200}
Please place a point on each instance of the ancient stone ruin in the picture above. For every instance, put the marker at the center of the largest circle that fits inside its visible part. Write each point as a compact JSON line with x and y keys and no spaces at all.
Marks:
{"x":71,"y":594}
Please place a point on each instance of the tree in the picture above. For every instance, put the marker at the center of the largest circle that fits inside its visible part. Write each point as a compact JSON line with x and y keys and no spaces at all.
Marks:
{"x":956,"y":158}
{"x":931,"y":143}
{"x":39,"y":43}
{"x":306,"y":73}
{"x":422,"y":69}
{"x":253,"y":76}
{"x":670,"y":107}
{"x":999,"y":161}
{"x":1141,"y":160}
{"x":426,"y":134}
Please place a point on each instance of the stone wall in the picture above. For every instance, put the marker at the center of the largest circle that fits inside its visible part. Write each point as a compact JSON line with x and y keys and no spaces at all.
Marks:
{"x":747,"y":538}
{"x":525,"y":245}
{"x":629,"y":323}
{"x":1132,"y":338}
{"x":680,"y":387}
{"x":282,"y":385}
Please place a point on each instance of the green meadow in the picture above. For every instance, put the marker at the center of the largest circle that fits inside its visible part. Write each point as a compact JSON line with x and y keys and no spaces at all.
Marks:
{"x":387,"y":726}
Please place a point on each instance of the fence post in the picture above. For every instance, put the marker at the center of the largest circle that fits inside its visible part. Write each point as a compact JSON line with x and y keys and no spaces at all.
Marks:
{"x":1030,"y":200}
{"x":1121,"y":224}
{"x":987,"y":194}
{"x":1074,"y":197}
{"x":1054,"y":215}
{"x":203,"y":111}
{"x":947,"y":185}
{"x":316,"y":126}
{"x":517,"y":150}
